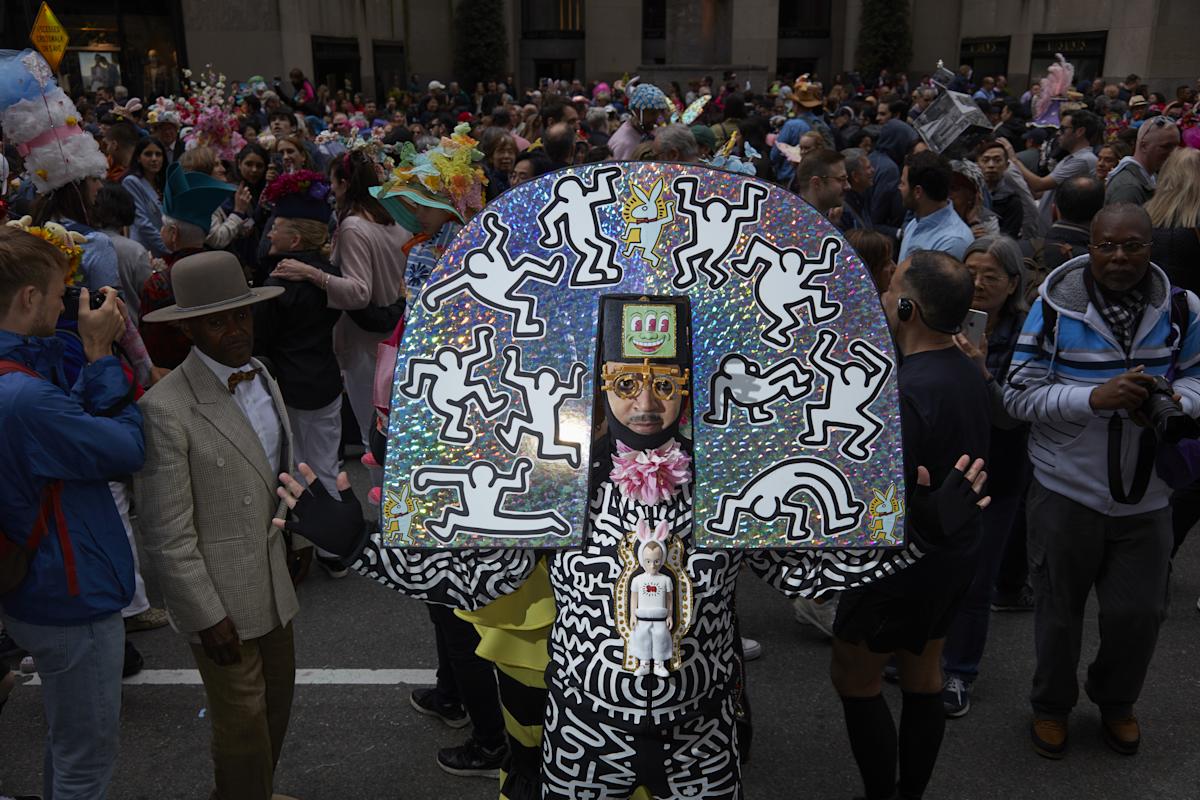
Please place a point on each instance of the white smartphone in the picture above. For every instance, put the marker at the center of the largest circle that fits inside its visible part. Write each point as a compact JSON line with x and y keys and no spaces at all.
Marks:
{"x":974,"y":327}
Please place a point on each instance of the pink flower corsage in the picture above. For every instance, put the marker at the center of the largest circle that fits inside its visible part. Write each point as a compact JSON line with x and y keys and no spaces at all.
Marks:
{"x":651,"y":476}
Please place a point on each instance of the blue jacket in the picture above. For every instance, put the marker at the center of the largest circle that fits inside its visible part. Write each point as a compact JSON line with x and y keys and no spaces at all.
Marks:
{"x":147,"y":215}
{"x":1051,"y":379}
{"x":47,"y":433}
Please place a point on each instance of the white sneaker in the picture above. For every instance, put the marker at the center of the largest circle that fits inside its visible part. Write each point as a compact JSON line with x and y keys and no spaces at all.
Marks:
{"x":819,"y":615}
{"x":751,"y":649}
{"x":660,"y":670}
{"x":643,"y":669}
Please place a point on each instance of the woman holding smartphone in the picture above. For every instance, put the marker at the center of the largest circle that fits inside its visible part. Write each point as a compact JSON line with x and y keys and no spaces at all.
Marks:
{"x":999,"y":271}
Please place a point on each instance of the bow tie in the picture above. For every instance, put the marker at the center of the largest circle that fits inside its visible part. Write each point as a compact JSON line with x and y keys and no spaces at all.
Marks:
{"x":244,"y":375}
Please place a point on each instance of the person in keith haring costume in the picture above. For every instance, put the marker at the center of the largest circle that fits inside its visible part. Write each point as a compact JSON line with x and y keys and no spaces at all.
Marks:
{"x":611,"y":728}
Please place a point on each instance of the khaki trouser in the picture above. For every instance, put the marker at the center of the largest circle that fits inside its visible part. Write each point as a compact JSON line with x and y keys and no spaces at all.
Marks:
{"x":249,"y":704}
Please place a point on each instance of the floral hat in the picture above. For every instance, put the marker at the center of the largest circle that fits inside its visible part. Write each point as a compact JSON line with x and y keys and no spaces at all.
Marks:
{"x":208,"y":117}
{"x":449,"y":176}
{"x":69,"y":242}
{"x":334,"y":144}
{"x":163,"y":111}
{"x":299,"y":195}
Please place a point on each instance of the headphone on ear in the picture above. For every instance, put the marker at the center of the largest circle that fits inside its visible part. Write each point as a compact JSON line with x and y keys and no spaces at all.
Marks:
{"x":904,"y":311}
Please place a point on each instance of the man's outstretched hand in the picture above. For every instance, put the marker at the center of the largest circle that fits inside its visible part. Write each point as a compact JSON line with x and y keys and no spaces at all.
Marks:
{"x":940,"y":513}
{"x":331,"y":523}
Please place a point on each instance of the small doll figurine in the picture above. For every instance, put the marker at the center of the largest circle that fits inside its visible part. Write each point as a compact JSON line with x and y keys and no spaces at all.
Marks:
{"x":651,"y":600}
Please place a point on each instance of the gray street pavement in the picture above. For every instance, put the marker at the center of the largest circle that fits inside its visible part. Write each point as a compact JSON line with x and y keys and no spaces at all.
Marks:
{"x":365,"y":742}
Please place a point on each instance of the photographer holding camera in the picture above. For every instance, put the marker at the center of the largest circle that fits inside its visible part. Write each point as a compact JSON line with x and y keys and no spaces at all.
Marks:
{"x":66,"y":569}
{"x":1107,"y":368}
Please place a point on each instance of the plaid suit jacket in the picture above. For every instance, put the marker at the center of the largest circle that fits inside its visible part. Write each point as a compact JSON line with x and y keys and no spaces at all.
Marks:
{"x":205,"y":502}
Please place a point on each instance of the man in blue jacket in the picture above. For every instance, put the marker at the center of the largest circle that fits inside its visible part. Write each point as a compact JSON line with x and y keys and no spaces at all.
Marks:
{"x":58,"y":448}
{"x":1105,"y":326}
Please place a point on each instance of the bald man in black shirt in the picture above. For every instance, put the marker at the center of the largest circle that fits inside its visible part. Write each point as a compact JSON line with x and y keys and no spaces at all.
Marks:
{"x":945,"y":422}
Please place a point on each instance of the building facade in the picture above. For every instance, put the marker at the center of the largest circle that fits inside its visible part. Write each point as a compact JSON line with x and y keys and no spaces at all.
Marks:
{"x":374,"y":45}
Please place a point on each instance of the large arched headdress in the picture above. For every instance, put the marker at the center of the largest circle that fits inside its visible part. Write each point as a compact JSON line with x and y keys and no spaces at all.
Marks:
{"x":795,"y":416}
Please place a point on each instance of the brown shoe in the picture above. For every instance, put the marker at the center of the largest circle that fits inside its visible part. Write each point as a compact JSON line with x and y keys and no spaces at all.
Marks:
{"x":148,"y":620}
{"x":1049,"y":738}
{"x":1123,"y":735}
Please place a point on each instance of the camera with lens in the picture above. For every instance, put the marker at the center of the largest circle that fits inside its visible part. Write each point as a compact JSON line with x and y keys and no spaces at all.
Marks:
{"x":1169,"y":422}
{"x":71,"y":301}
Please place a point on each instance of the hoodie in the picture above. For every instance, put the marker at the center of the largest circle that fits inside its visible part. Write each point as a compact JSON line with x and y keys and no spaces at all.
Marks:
{"x":1129,"y":182}
{"x":1052,"y":377}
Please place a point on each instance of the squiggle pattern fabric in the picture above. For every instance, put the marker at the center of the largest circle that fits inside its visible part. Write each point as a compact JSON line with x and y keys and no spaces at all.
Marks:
{"x":597,"y":708}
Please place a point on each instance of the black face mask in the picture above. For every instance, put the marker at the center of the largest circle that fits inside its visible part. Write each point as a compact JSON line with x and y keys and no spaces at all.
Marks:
{"x":638,"y":441}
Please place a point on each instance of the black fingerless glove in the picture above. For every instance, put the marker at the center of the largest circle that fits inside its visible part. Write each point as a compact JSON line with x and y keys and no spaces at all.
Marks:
{"x":938,"y":515}
{"x":332,"y":524}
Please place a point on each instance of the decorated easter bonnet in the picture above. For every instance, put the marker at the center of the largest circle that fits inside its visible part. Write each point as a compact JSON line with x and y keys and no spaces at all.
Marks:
{"x":193,"y":196}
{"x":42,"y":122}
{"x":69,"y":242}
{"x":647,"y":97}
{"x":448,"y":177}
{"x":300,"y":195}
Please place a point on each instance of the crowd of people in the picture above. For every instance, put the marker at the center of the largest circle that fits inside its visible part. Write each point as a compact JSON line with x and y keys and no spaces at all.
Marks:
{"x":295,"y":224}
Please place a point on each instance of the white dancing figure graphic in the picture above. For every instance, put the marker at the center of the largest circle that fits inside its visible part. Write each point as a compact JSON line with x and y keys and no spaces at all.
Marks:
{"x":851,"y":388}
{"x":542,"y":394}
{"x":742,"y":381}
{"x":786,"y":284}
{"x":716,"y":225}
{"x":448,"y":385}
{"x":482,"y":489}
{"x":491,"y":276}
{"x":645,"y":215}
{"x":770,"y":496}
{"x":572,"y":217}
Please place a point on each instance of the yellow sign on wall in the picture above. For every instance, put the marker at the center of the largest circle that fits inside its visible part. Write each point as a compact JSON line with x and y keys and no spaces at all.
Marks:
{"x":49,"y":36}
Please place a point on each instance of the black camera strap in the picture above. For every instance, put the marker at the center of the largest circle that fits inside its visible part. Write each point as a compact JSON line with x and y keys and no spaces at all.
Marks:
{"x":1147,"y":447}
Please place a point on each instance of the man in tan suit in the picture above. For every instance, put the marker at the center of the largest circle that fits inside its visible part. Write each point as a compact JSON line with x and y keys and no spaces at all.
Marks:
{"x":217,"y":437}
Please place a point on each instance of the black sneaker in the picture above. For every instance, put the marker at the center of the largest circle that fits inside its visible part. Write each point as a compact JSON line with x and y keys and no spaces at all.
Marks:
{"x":956,"y":697}
{"x":334,"y":566}
{"x":430,"y":702}
{"x":133,"y":661}
{"x":472,"y":759}
{"x":1013,"y":601}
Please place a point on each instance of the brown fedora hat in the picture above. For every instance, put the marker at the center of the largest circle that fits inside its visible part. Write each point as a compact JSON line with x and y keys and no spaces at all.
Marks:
{"x":207,"y":283}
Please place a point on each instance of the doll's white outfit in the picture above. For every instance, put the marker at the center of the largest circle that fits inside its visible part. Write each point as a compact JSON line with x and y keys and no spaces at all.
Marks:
{"x":651,"y":640}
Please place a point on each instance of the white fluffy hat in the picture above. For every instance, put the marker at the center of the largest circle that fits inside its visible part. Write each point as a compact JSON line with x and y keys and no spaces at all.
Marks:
{"x":44,"y":124}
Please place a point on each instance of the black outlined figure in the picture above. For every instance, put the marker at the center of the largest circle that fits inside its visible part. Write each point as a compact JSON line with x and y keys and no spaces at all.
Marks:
{"x":770,"y":495}
{"x":742,"y":381}
{"x":542,"y":393}
{"x":716,"y":225}
{"x":482,"y":489}
{"x":787,"y":284}
{"x":851,"y":388}
{"x":572,"y":216}
{"x":448,"y":385}
{"x":491,"y":276}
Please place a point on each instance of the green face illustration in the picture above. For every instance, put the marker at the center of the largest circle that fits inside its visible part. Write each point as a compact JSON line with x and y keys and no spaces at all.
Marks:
{"x":649,"y":331}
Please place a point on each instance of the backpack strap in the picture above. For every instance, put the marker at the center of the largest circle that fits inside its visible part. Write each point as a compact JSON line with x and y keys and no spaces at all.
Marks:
{"x":1049,"y":326}
{"x":7,"y":366}
{"x":51,"y":504}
